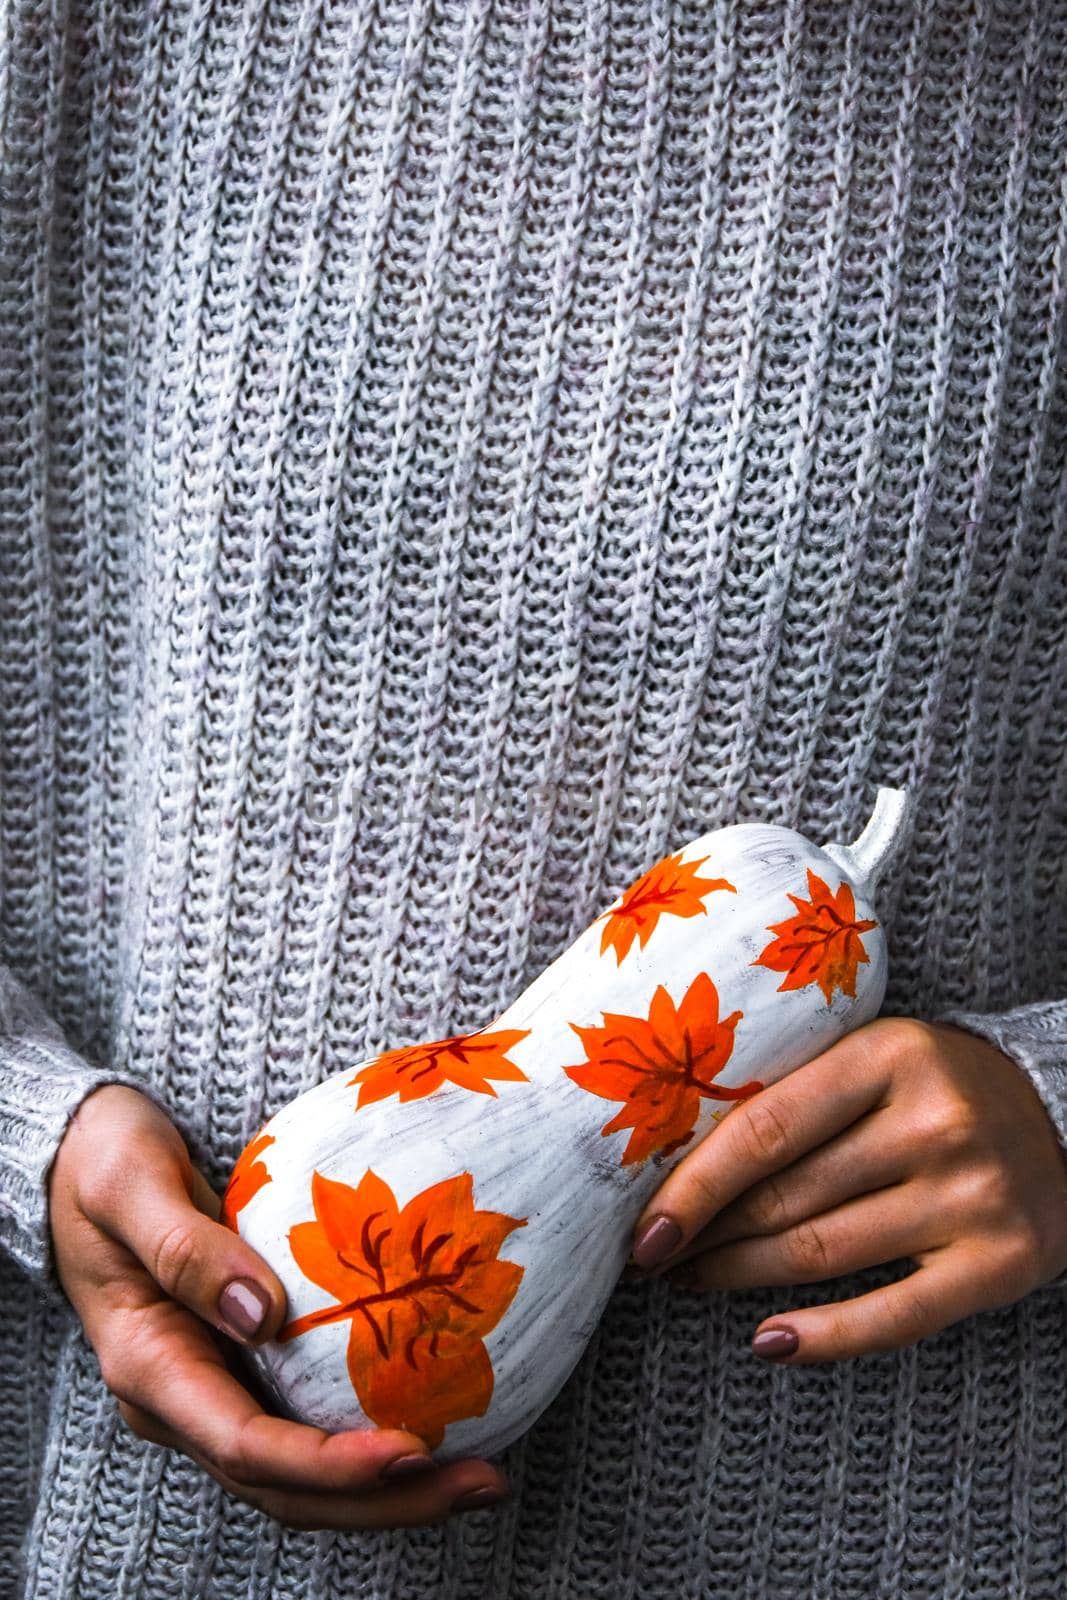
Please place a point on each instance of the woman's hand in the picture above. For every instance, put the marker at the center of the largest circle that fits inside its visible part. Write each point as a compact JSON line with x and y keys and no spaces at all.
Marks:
{"x":146,"y":1266}
{"x":904,"y":1139}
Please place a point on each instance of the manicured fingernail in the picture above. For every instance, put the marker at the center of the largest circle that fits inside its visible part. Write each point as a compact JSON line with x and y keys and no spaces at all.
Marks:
{"x":477,"y":1499}
{"x":406,"y":1467}
{"x":775,"y":1342}
{"x":243,"y":1306}
{"x":656,"y":1242}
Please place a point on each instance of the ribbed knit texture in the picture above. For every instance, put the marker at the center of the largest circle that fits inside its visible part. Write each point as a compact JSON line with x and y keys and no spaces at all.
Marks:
{"x":450,"y":454}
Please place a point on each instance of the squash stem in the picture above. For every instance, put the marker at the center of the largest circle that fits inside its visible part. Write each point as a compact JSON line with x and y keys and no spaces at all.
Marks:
{"x":867,"y":857}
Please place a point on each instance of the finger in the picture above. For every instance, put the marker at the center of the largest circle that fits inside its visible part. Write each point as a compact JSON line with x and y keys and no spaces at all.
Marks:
{"x":204,"y":1197}
{"x":149,"y":1207}
{"x":861,"y":1159}
{"x":883,"y":1226}
{"x":429,"y":1497}
{"x":162,"y":1360}
{"x":761,"y":1135}
{"x":948,"y":1285}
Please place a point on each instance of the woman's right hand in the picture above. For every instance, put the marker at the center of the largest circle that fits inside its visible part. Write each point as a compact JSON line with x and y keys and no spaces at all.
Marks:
{"x":146,"y":1265}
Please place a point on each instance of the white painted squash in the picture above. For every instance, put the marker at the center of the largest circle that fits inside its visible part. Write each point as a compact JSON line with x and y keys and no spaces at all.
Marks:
{"x":448,"y":1220}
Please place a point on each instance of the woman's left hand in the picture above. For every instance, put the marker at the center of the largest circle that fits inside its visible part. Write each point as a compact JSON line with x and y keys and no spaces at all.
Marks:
{"x":904,"y":1139}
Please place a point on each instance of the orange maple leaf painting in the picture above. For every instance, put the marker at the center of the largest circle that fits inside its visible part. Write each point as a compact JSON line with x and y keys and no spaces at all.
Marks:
{"x":420,"y":1288}
{"x":671,"y":887}
{"x":661,"y":1066}
{"x":469,"y":1059}
{"x":247,"y":1178}
{"x":821,"y":944}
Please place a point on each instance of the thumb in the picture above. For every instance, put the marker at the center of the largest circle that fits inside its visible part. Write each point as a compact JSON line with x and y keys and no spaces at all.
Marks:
{"x":169,"y":1220}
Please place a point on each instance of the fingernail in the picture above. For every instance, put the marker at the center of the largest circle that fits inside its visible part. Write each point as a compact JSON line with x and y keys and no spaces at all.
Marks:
{"x":406,"y":1467}
{"x":243,"y":1306}
{"x":775,"y":1342}
{"x":656,"y":1242}
{"x":477,"y":1499}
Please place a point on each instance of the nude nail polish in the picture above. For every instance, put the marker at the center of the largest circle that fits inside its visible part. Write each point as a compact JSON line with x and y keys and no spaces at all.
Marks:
{"x":775,"y":1342}
{"x":656,"y":1243}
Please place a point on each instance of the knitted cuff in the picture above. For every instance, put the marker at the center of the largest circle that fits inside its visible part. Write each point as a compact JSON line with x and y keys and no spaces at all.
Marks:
{"x":1035,"y":1038}
{"x":43,"y":1081}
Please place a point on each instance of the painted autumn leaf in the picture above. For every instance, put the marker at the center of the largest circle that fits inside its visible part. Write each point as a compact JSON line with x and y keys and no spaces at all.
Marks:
{"x":661,"y":1066}
{"x":420,"y":1288}
{"x":469,"y":1059}
{"x":247,"y":1178}
{"x":821,"y":944}
{"x":671,"y":887}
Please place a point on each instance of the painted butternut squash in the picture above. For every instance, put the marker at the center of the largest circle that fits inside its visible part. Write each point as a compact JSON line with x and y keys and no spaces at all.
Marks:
{"x":450,"y":1218}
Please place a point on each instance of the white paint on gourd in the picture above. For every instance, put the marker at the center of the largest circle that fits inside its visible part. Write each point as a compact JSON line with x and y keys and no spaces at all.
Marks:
{"x":535,"y":1149}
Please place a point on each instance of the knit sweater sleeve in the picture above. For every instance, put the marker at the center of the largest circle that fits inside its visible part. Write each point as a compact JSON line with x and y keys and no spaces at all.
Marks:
{"x":42,"y":1083}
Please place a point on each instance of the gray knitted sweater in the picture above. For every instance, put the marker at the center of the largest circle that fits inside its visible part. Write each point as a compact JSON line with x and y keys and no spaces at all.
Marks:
{"x":450,"y":454}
